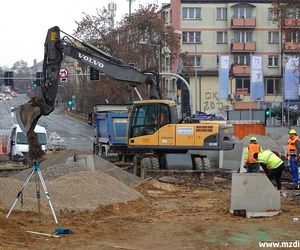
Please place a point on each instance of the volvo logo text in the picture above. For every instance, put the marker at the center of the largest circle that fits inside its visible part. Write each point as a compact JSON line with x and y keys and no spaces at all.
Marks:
{"x":90,"y":60}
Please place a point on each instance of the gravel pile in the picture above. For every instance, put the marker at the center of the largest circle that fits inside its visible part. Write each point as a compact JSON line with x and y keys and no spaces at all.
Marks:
{"x":116,"y":172}
{"x":76,"y":191}
{"x":53,"y":171}
{"x":283,"y":140}
{"x":57,"y":157}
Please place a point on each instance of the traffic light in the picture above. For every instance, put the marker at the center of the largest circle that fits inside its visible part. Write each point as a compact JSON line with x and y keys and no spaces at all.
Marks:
{"x":34,"y":84}
{"x":94,"y":74}
{"x":70,"y":102}
{"x":39,"y":78}
{"x":268,"y":112}
{"x":8,"y":78}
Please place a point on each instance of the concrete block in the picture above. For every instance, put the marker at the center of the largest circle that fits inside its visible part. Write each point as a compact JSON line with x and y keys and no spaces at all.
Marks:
{"x":232,"y":158}
{"x":90,"y":162}
{"x":254,"y":193}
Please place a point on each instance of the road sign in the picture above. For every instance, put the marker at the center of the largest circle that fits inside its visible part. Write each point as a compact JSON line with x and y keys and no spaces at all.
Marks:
{"x":63,"y":72}
{"x":62,"y":80}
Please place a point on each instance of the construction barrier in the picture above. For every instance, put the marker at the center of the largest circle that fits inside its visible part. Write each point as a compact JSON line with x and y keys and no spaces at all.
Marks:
{"x":243,"y":129}
{"x":4,"y":141}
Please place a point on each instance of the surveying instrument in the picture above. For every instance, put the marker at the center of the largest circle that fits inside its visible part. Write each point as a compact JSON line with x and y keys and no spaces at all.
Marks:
{"x":37,"y":171}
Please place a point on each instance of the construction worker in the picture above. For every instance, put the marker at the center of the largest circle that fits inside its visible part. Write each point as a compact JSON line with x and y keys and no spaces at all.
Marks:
{"x":251,"y":164}
{"x":293,"y":151}
{"x":272,"y":165}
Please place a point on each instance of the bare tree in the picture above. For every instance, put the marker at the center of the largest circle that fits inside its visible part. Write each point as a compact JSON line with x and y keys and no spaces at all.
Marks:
{"x":142,"y":39}
{"x":287,"y":14}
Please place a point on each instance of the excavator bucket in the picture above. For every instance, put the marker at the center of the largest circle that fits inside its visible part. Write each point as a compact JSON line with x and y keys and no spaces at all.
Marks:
{"x":26,"y":115}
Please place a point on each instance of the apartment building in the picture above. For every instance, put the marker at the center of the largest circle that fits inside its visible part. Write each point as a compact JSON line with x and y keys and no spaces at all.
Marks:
{"x":209,"y":28}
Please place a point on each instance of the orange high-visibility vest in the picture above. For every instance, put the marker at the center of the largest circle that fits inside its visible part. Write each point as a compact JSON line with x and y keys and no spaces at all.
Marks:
{"x":292,"y":150}
{"x":252,"y":148}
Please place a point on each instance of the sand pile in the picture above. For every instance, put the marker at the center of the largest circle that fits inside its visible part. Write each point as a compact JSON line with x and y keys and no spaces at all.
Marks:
{"x":76,"y":191}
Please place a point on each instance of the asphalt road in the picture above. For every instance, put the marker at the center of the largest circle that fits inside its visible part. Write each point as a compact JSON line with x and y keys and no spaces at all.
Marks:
{"x":77,"y":135}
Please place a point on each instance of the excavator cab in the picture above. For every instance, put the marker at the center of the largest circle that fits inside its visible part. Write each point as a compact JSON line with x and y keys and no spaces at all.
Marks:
{"x":147,"y":117}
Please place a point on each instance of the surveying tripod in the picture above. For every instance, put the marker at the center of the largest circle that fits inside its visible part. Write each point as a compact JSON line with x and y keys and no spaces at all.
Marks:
{"x":37,"y":170}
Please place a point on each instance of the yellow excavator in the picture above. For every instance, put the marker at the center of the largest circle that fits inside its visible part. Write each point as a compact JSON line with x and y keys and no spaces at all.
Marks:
{"x":154,"y":128}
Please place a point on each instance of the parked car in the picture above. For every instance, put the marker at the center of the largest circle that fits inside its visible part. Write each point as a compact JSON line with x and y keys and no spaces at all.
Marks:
{"x":19,"y":144}
{"x":8,"y":98}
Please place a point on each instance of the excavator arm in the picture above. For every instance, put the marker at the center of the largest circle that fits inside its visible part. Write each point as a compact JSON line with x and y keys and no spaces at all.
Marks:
{"x":55,"y":50}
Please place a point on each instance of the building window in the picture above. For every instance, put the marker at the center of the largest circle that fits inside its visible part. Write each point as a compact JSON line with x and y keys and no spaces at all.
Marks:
{"x":242,"y":86}
{"x":243,"y":36}
{"x":242,"y":12}
{"x":241,"y":59}
{"x":191,"y":13}
{"x":166,"y":16}
{"x":221,"y":13}
{"x":168,"y":63}
{"x":271,"y":14}
{"x":273,"y":86}
{"x":192,"y":61}
{"x":191,"y":37}
{"x":293,"y":36}
{"x":273,"y":61}
{"x":273,"y":37}
{"x":221,"y":37}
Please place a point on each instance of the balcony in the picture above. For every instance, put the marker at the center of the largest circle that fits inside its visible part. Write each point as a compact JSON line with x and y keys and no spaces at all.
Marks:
{"x":240,"y":70}
{"x":291,"y":47}
{"x":243,"y":47}
{"x":291,"y":23}
{"x":250,"y":46}
{"x":243,"y":23}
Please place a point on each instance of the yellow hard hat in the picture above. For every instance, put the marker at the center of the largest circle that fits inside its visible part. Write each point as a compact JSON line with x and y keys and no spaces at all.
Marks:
{"x":292,"y":131}
{"x":253,"y":138}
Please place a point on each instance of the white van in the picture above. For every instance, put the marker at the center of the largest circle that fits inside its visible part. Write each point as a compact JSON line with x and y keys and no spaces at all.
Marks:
{"x":18,"y":141}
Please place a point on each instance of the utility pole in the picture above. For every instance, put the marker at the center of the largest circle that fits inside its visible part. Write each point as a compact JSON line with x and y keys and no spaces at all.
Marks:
{"x":112,"y":8}
{"x":130,"y":2}
{"x":196,"y":78}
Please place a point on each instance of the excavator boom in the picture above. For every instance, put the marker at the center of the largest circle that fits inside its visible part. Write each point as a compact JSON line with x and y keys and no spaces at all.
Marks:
{"x":55,"y":50}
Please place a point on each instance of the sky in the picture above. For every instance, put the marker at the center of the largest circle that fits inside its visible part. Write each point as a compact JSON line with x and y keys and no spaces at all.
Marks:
{"x":24,"y":23}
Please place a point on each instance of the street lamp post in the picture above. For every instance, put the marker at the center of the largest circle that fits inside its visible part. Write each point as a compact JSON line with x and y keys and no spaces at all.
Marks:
{"x":196,"y":79}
